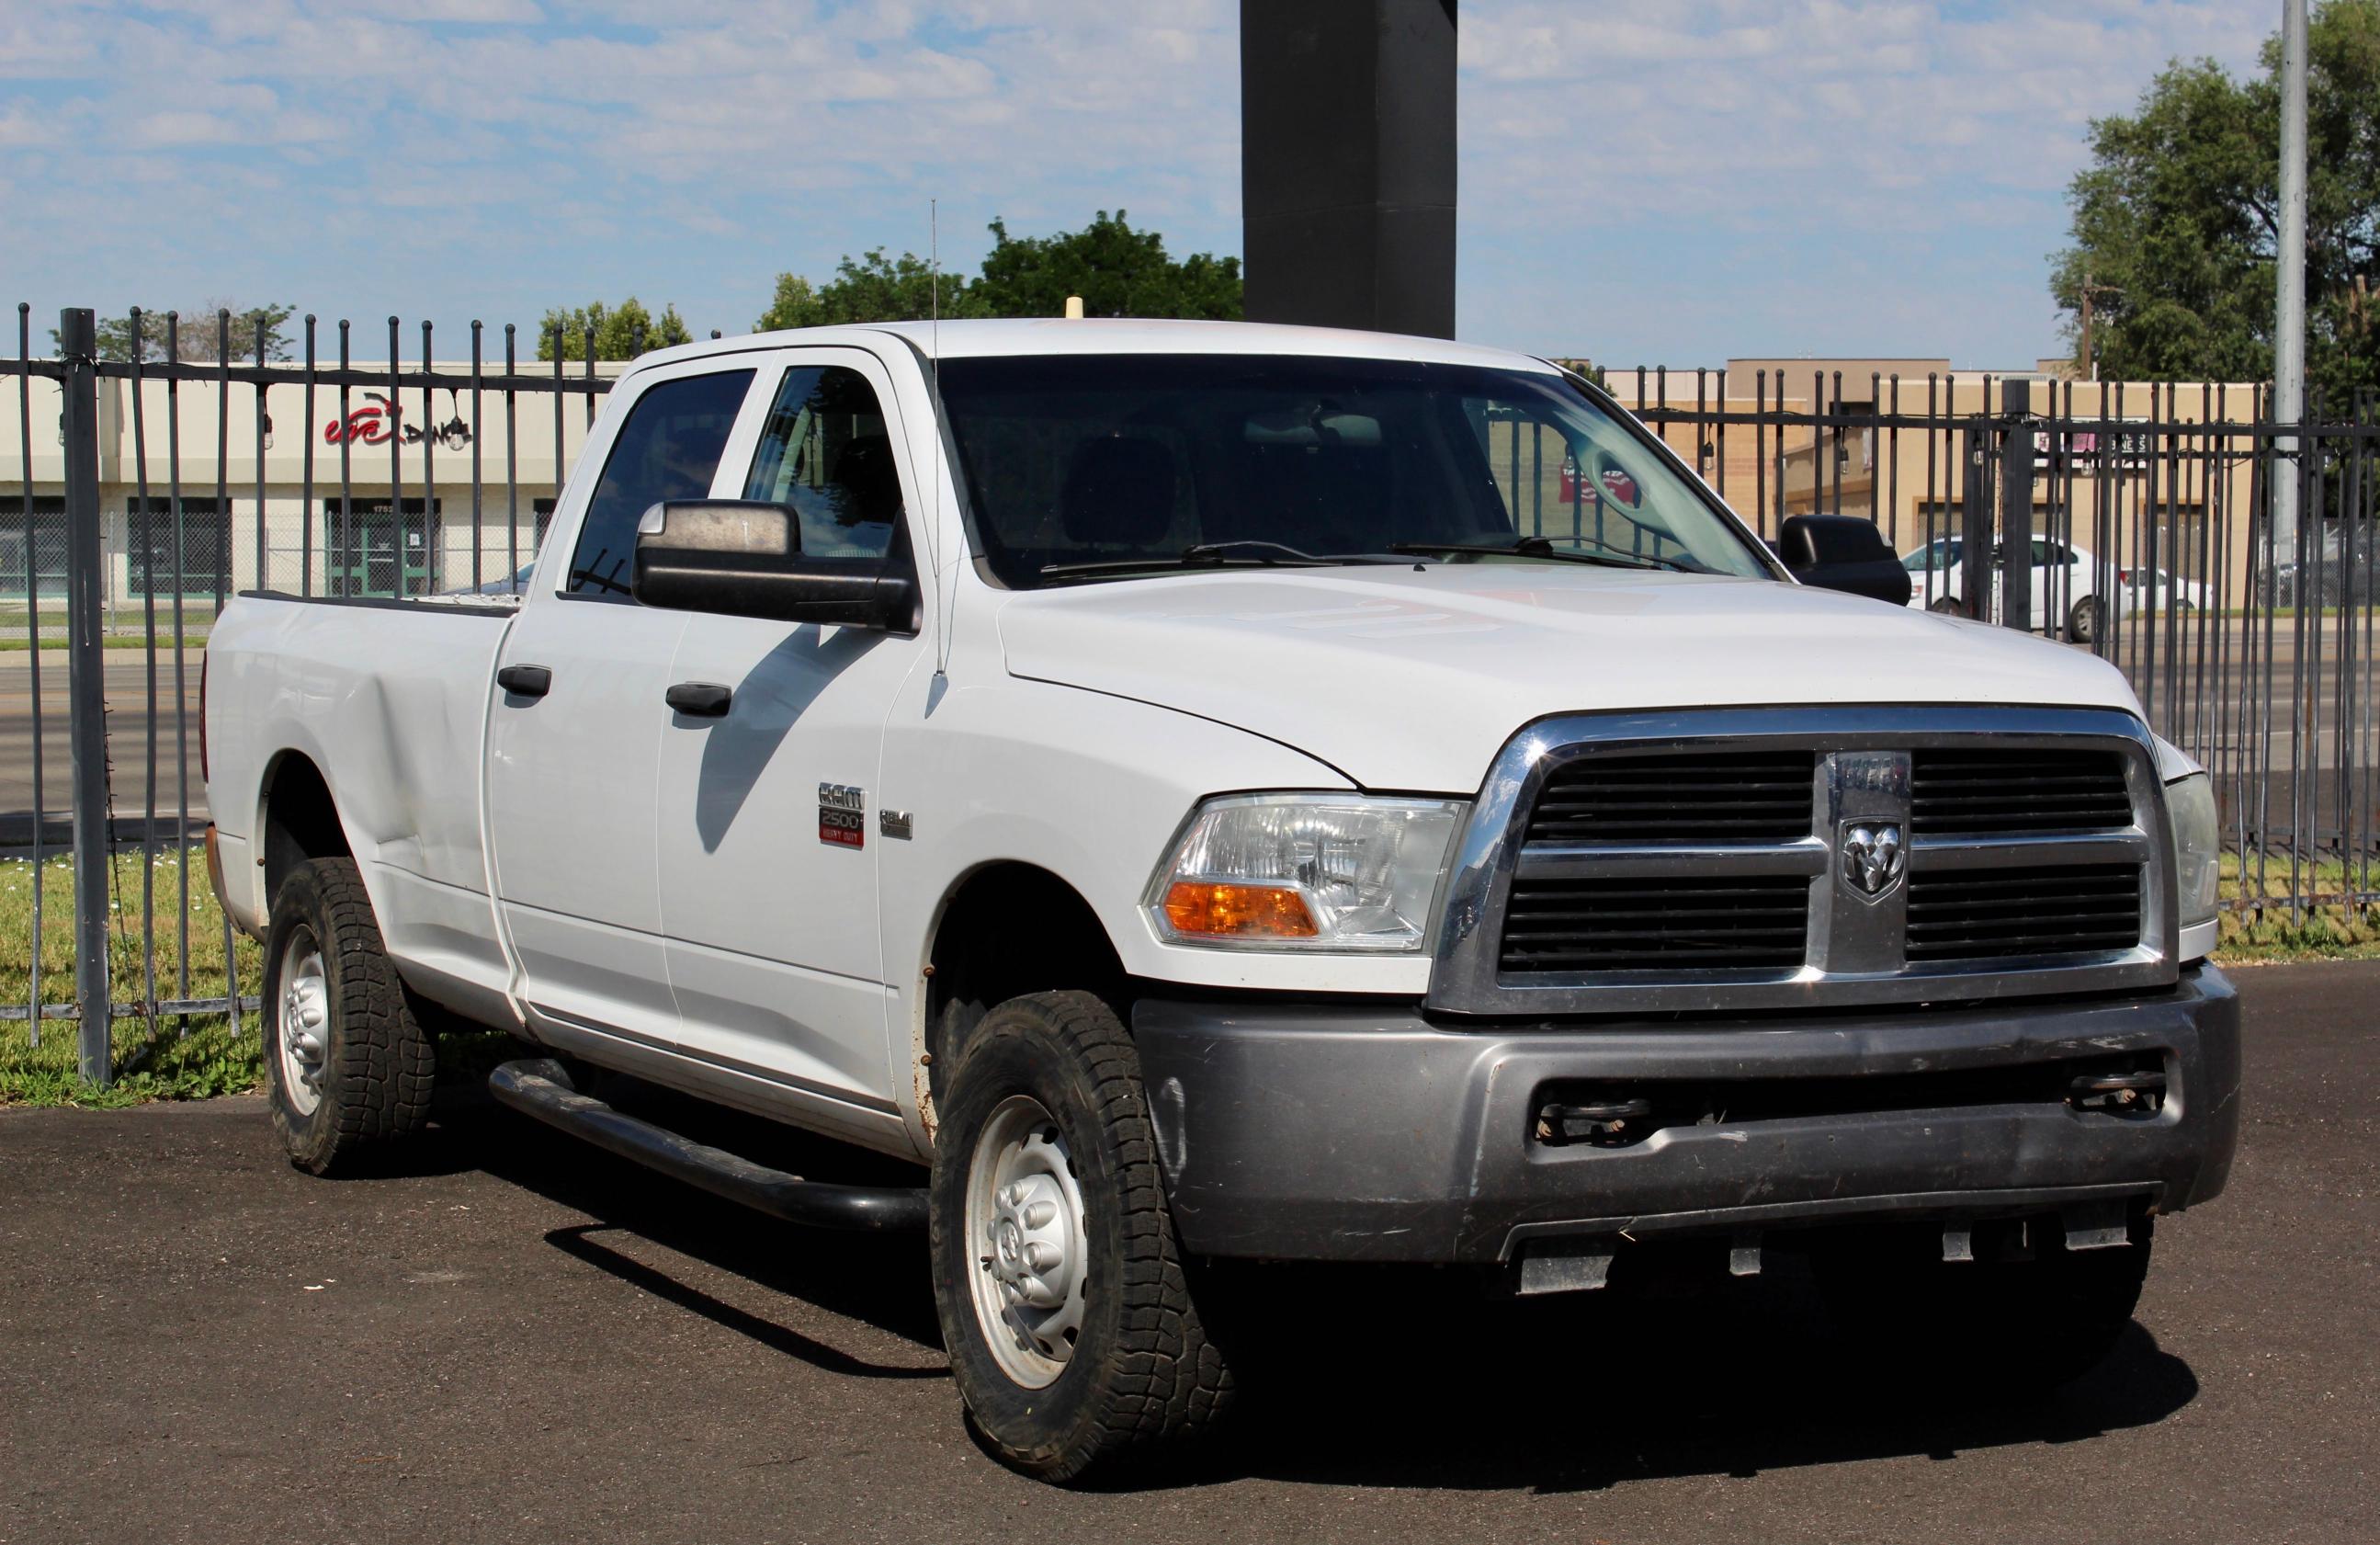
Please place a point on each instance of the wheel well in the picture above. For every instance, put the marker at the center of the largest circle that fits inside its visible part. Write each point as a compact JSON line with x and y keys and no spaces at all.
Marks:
{"x":300,"y":821}
{"x":1010,"y":929}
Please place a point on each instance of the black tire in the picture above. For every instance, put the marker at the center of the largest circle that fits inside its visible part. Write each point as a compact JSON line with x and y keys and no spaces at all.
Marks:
{"x":2008,"y":1328}
{"x":1143,"y":1369}
{"x":1946,"y":606}
{"x":2082,"y":621}
{"x":376,"y":1063}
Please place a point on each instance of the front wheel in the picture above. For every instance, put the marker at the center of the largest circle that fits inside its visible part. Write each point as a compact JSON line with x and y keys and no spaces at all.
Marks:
{"x":1062,"y":1295}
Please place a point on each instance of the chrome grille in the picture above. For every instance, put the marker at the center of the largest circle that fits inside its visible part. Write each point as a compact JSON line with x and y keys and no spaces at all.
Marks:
{"x":1727,"y":797}
{"x":1634,"y":925}
{"x":1988,"y":789}
{"x":2014,"y":913}
{"x":1746,"y":858}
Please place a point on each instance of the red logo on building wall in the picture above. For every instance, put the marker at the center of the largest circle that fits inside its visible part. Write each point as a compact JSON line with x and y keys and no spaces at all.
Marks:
{"x":379,"y":421}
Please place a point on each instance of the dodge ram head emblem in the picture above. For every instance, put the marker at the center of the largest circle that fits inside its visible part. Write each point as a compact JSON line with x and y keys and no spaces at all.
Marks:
{"x":1873,"y":858}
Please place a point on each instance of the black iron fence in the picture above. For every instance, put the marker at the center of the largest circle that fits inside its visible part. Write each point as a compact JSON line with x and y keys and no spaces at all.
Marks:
{"x":2134,"y":522}
{"x":146,"y":492}
{"x":2225,"y":565}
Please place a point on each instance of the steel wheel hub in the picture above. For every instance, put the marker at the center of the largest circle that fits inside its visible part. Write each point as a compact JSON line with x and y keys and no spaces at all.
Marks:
{"x":301,"y":1022}
{"x":1025,"y":1226}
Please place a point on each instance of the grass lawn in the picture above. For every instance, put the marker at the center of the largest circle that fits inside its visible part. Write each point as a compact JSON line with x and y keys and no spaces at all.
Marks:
{"x":196,"y":1055}
{"x":193,"y":640}
{"x":2270,"y":937}
{"x":186,"y":1057}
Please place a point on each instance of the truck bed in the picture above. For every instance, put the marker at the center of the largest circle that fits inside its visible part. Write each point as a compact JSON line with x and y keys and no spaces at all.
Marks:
{"x":389,"y":701}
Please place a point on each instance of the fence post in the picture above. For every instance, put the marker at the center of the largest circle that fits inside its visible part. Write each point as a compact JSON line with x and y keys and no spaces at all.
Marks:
{"x":2016,"y":504}
{"x":85,"y":687}
{"x":1976,"y":522}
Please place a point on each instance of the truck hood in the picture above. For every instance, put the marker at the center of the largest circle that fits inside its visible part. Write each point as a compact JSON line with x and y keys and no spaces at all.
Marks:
{"x":1412,"y":678}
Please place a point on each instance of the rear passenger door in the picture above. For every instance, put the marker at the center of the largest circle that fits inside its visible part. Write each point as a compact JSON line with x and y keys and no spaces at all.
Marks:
{"x":769,"y":821}
{"x":572,"y":769}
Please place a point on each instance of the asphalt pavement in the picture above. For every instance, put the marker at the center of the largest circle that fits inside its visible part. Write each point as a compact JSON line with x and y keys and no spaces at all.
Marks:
{"x":523,"y":1339}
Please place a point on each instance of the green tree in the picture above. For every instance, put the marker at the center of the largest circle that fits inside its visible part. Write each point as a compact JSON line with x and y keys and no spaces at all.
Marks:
{"x":873,"y":288}
{"x":1116,"y":270}
{"x":621,"y":333}
{"x":2175,"y":220}
{"x":199,"y":332}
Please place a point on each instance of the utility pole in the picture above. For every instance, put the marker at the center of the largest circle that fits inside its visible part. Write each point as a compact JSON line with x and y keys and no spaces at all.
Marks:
{"x":2289,"y":321}
{"x":2091,"y":291}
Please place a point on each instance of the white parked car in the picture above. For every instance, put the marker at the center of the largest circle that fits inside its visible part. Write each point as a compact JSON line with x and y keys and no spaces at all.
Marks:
{"x":2065,"y":586}
{"x":2158,"y":588}
{"x":1152,"y":776}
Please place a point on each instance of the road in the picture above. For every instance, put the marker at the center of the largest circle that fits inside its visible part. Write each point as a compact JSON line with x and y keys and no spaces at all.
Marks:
{"x":127,"y":687}
{"x":524,"y":1340}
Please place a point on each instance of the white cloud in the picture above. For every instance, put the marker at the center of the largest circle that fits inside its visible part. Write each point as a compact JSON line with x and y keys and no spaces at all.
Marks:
{"x":489,"y":140}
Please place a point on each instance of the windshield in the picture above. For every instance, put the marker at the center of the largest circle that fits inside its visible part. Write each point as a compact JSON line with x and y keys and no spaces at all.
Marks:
{"x":1103,"y":466}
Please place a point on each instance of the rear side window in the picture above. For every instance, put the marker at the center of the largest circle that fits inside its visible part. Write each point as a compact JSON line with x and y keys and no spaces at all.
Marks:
{"x":825,"y":452}
{"x":668,"y":449}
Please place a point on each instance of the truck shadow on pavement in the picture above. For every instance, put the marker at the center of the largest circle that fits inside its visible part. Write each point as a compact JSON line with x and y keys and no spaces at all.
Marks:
{"x":1676,"y":1379}
{"x":1362,"y":1376}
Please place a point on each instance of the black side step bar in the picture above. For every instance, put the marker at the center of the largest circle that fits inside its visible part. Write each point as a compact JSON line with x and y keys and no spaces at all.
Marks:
{"x":539,"y":1087}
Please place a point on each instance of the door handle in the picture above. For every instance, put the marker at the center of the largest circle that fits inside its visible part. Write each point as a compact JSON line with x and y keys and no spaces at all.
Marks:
{"x":700,"y":699}
{"x":526,"y":681}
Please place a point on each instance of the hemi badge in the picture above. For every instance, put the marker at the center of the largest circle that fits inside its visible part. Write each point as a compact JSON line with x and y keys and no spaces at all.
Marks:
{"x":893,"y":823}
{"x":843,"y":815}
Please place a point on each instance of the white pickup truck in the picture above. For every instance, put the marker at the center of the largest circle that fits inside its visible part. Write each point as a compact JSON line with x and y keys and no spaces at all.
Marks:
{"x":1187,"y":785}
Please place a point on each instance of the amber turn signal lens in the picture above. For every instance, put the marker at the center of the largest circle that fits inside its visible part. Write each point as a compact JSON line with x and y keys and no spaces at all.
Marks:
{"x":1218,"y":911}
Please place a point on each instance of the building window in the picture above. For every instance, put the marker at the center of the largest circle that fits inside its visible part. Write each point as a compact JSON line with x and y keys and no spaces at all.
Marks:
{"x":33,"y":561}
{"x":370,"y":550}
{"x":198,"y":565}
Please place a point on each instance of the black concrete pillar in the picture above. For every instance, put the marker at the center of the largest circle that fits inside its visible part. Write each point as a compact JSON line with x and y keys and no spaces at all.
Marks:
{"x":1347,"y":163}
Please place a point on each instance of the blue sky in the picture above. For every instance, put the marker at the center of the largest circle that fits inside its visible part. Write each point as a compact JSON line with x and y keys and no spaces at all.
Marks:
{"x":1673,"y":182}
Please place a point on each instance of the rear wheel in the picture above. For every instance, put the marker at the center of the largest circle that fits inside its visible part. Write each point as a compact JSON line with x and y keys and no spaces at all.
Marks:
{"x":348,"y":1066}
{"x":2082,"y":620}
{"x":2008,"y":1326}
{"x":1062,"y":1294}
{"x":1946,"y":606}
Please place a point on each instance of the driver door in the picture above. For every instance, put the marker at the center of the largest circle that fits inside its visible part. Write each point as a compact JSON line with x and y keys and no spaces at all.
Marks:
{"x":770,"y":828}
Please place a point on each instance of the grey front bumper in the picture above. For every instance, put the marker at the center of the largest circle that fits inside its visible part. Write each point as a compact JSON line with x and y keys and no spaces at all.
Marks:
{"x":1310,"y":1132}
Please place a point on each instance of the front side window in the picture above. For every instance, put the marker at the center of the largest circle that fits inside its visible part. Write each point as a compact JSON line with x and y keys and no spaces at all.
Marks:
{"x":668,"y":448}
{"x":1104,"y":465}
{"x":825,"y":451}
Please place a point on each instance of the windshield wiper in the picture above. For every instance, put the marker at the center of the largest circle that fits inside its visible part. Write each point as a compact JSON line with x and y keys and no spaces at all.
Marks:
{"x":1540,"y":547}
{"x":1213,"y":554}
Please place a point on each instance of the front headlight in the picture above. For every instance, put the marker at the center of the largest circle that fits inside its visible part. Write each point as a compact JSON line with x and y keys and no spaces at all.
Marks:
{"x":2197,"y":850}
{"x":1304,"y":872}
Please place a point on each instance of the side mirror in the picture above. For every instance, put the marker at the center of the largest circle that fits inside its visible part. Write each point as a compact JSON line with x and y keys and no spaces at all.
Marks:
{"x":1843,"y":552}
{"x":743,"y":558}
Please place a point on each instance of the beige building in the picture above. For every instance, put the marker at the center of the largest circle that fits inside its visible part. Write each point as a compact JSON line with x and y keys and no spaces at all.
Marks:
{"x":372,"y":491}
